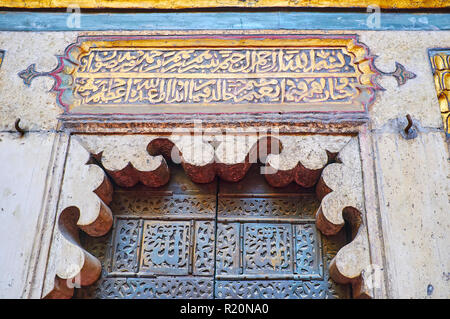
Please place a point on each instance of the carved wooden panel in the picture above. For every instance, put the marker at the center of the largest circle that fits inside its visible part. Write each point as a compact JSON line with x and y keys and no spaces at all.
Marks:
{"x":173,"y":242}
{"x":267,"y":242}
{"x":161,"y":245}
{"x":126,"y":244}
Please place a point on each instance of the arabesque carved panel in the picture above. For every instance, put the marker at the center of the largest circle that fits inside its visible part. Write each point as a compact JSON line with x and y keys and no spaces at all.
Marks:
{"x":265,"y":245}
{"x":165,"y":248}
{"x":267,"y":248}
{"x":126,"y":245}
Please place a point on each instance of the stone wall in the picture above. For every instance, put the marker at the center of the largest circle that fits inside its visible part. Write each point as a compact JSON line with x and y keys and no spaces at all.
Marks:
{"x":410,"y":186}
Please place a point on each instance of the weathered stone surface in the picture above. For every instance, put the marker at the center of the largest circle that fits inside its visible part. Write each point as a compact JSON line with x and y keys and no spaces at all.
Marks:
{"x":23,"y":171}
{"x":351,"y":261}
{"x":416,"y":96}
{"x":86,"y":187}
{"x":412,"y":188}
{"x":342,"y":182}
{"x":38,"y":110}
{"x":34,"y":105}
{"x":412,"y":177}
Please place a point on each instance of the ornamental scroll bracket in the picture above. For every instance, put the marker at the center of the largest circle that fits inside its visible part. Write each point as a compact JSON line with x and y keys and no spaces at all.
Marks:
{"x":341,"y":193}
{"x":86,"y":190}
{"x":85,"y":194}
{"x":400,"y":74}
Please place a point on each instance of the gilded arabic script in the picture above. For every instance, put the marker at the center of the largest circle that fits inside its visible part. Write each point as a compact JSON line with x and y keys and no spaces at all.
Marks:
{"x":215,"y":76}
{"x":200,"y":73}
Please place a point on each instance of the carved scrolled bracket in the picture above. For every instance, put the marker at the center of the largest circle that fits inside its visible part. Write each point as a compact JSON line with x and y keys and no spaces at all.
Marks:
{"x":227,"y":156}
{"x":130,"y":159}
{"x":287,"y":158}
{"x":194,"y":153}
{"x":340,"y":189}
{"x":126,"y":160}
{"x":85,"y":195}
{"x":134,"y":158}
{"x":302,"y":159}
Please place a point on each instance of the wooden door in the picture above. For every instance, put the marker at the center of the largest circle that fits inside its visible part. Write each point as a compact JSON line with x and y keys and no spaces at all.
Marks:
{"x":217,"y":240}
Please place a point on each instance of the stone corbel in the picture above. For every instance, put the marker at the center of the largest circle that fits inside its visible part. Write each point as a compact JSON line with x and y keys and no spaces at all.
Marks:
{"x":126,"y":160}
{"x":287,"y":158}
{"x":205,"y":157}
{"x":194,"y":153}
{"x":302,"y":159}
{"x":129,"y":159}
{"x":340,"y":190}
{"x":85,"y":195}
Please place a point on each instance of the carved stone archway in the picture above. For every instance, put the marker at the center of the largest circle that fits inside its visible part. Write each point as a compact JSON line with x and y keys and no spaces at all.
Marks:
{"x":331,"y":162}
{"x":314,"y":88}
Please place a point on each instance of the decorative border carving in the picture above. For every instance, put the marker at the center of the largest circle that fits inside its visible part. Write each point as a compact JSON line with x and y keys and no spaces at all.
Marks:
{"x":204,"y":157}
{"x":400,"y":74}
{"x":303,"y":158}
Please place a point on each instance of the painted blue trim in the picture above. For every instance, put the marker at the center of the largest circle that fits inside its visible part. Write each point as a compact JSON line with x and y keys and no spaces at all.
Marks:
{"x":38,"y":21}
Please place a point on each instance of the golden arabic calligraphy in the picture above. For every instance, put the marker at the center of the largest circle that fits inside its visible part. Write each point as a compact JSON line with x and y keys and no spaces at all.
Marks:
{"x":215,"y":76}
